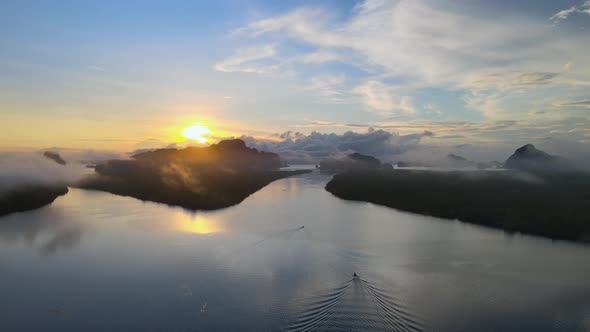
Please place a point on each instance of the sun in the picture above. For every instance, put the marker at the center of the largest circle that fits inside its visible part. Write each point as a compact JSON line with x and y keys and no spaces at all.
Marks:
{"x":196,"y":132}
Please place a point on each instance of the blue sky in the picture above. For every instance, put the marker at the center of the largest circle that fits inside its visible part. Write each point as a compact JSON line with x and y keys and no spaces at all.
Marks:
{"x":127,"y":74}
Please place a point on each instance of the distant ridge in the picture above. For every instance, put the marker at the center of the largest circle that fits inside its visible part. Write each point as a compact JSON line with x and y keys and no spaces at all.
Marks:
{"x":450,"y":161}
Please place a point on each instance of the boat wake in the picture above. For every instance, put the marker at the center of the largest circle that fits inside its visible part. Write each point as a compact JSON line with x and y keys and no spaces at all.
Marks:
{"x":356,"y":305}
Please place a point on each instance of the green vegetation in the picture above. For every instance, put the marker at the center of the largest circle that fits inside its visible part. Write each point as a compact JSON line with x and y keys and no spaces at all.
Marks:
{"x":553,"y":205}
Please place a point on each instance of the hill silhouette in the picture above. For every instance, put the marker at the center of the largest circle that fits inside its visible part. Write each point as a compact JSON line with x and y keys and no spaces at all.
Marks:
{"x":450,"y":161}
{"x":540,"y":195}
{"x":206,"y":178}
{"x":29,"y":197}
{"x":231,"y":153}
{"x":529,"y":158}
{"x":553,"y":206}
{"x":353,"y":161}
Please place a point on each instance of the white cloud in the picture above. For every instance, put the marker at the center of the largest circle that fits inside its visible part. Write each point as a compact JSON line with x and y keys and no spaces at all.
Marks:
{"x":488,"y":140}
{"x":564,"y":14}
{"x":329,"y":86}
{"x":312,"y":148}
{"x":377,"y":95}
{"x":321,"y":56}
{"x":395,"y":37}
{"x":406,"y":105}
{"x":419,"y":44}
{"x":432,"y":109}
{"x":249,"y":60}
{"x":18,"y":169}
{"x":534,"y":78}
{"x":579,"y":103}
{"x":381,"y":97}
{"x":328,"y":80}
{"x":96,"y":68}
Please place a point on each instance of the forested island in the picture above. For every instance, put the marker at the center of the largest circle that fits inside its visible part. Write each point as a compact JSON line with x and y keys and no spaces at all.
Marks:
{"x":553,"y":204}
{"x":353,"y":161}
{"x":32,"y":194}
{"x":29,"y":197}
{"x":198,"y":178}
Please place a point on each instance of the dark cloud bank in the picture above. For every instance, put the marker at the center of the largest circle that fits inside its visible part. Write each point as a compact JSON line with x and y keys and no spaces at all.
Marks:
{"x":295,"y":147}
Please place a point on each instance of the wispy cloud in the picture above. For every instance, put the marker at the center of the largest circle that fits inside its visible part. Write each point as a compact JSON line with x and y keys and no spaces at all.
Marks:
{"x":96,"y":68}
{"x":383,"y":98}
{"x":535,"y":78}
{"x":321,"y":56}
{"x":562,"y":15}
{"x":330,"y":87}
{"x":252,"y":59}
{"x":396,"y":37}
{"x":17,"y":169}
{"x":580,"y":103}
{"x":421,"y":44}
{"x":377,"y":95}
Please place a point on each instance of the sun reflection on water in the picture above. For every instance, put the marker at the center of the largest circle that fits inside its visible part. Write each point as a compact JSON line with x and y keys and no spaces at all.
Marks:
{"x":196,"y":223}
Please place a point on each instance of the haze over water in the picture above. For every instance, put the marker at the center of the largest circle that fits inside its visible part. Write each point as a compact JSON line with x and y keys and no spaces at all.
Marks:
{"x":94,"y":261}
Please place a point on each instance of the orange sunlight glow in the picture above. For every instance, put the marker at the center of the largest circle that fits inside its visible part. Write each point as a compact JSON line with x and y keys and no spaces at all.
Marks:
{"x":197,"y":132}
{"x":197,"y":224}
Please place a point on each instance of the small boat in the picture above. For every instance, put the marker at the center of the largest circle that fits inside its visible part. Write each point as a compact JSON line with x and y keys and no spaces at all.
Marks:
{"x":204,"y":308}
{"x":355,"y":276}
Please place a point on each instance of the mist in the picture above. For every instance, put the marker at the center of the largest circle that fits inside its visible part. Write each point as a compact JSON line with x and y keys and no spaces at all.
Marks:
{"x":390,"y":147}
{"x":295,"y":147}
{"x":28,"y":168}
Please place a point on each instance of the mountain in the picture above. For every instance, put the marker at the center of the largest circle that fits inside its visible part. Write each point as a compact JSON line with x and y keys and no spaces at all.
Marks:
{"x":354,"y":161}
{"x":529,"y":158}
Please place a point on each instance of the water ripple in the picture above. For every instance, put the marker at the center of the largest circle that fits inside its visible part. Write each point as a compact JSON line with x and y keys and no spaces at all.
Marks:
{"x":356,"y":305}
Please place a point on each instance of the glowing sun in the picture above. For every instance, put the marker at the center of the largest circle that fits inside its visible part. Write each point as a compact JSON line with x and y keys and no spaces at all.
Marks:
{"x":196,"y":132}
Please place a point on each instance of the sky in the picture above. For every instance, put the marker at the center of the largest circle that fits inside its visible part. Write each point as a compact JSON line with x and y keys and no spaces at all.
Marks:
{"x":481,"y":77}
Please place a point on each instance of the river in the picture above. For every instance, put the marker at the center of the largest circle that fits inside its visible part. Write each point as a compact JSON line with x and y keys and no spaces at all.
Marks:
{"x":93,"y":261}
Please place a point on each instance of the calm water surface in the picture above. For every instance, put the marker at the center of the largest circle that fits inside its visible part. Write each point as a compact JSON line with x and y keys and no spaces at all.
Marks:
{"x":93,"y":261}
